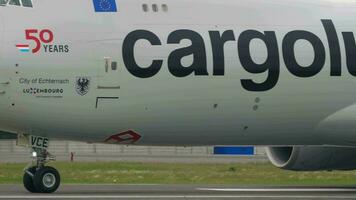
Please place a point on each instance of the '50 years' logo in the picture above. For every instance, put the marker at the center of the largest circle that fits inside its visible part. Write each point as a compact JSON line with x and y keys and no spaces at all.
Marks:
{"x":41,"y":39}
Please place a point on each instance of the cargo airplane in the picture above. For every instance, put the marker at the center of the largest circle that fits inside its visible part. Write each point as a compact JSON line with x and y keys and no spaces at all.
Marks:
{"x":276,"y":73}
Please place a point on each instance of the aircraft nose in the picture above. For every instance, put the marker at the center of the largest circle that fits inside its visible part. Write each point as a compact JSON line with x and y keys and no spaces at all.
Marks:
{"x":2,"y":27}
{"x":4,"y":79}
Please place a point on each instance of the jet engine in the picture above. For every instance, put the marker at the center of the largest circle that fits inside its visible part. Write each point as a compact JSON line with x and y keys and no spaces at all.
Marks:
{"x":312,"y":158}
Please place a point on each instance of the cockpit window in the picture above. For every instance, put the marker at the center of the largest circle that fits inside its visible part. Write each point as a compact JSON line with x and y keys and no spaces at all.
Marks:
{"x":27,"y":3}
{"x":22,"y":3}
{"x":15,"y":2}
{"x":3,"y":2}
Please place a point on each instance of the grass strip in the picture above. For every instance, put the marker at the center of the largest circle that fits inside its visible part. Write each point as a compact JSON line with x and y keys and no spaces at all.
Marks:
{"x":164,"y":173}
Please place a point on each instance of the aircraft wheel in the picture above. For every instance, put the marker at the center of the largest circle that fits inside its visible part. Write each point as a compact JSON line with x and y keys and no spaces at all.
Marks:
{"x":47,"y":180}
{"x":28,"y":180}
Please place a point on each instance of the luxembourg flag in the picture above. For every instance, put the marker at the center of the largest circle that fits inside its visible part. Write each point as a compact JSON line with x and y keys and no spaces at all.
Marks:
{"x":23,"y":47}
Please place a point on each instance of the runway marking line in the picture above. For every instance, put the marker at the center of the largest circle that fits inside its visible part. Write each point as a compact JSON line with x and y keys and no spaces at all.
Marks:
{"x":174,"y":196}
{"x":278,"y":190}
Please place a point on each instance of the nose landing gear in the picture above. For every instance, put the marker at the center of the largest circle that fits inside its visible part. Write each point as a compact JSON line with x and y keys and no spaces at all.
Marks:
{"x":44,"y":180}
{"x":39,"y":178}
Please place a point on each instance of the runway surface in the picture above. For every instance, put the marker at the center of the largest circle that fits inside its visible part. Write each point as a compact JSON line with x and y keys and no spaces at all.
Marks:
{"x":195,"y":192}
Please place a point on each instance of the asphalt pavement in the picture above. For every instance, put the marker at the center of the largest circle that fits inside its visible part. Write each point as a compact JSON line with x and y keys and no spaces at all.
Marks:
{"x":195,"y":192}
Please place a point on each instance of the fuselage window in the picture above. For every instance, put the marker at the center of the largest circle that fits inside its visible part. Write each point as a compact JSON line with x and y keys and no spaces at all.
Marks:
{"x":15,"y":2}
{"x":154,"y":7}
{"x":145,"y":7}
{"x":27,"y":3}
{"x":165,"y":7}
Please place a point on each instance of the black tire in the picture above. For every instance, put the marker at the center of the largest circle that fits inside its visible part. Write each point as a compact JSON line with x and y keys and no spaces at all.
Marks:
{"x":28,"y":180}
{"x":47,"y":180}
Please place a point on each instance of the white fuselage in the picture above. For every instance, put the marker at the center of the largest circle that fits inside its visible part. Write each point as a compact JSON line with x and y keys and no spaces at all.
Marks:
{"x":200,"y":108}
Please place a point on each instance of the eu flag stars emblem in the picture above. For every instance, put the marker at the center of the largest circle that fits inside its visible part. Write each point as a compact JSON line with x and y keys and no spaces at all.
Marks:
{"x":105,"y":5}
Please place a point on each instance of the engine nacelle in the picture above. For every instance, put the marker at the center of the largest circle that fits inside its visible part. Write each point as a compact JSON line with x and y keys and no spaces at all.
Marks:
{"x":312,"y":158}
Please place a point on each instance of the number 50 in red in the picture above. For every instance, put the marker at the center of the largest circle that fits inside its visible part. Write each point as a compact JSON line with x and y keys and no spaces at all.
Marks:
{"x":42,"y":36}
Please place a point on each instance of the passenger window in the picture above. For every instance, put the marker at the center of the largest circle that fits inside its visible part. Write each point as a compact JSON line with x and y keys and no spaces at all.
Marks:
{"x":27,"y":3}
{"x":164,"y":7}
{"x":145,"y":7}
{"x":15,"y":2}
{"x":154,"y":7}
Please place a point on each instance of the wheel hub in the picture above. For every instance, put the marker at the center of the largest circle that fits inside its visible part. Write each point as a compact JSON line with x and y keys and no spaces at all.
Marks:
{"x":49,"y":180}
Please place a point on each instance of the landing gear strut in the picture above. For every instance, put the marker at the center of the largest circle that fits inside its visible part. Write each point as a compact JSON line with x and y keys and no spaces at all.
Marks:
{"x":39,"y":178}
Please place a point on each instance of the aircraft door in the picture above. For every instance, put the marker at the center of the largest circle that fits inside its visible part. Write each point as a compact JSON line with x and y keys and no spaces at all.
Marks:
{"x":7,"y":75}
{"x":109,"y":74}
{"x":5,"y":71}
